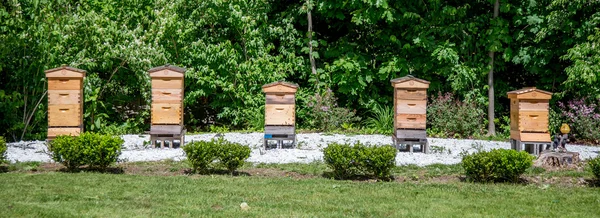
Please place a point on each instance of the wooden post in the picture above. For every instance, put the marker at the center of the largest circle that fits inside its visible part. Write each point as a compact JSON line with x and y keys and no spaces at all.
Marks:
{"x":65,"y":101}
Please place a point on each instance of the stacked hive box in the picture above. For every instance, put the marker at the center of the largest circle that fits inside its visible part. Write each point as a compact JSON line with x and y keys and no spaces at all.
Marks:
{"x":167,"y":105}
{"x":280,"y":112}
{"x":529,"y":119}
{"x":65,"y":101}
{"x":410,"y":107}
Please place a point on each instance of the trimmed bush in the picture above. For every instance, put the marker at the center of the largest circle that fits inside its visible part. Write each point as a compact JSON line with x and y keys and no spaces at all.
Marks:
{"x":92,"y":149}
{"x":353,"y":160}
{"x":343,"y":159}
{"x":2,"y":150}
{"x":594,"y":167}
{"x":201,"y":154}
{"x":101,"y":150}
{"x":68,"y":151}
{"x":233,"y":155}
{"x":380,"y":161}
{"x":497,"y":165}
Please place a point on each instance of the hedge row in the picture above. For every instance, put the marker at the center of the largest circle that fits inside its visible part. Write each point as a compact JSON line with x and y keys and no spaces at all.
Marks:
{"x":2,"y":150}
{"x":91,"y":149}
{"x":354,"y":160}
{"x":204,"y":155}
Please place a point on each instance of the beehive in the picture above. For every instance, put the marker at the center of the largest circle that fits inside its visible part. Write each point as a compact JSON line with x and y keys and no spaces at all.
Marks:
{"x":410,"y":102}
{"x":65,"y":101}
{"x":167,"y":95}
{"x":529,"y":115}
{"x":280,"y":107}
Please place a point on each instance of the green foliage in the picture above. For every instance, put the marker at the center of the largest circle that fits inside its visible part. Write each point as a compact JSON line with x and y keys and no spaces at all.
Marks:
{"x":593,"y":165}
{"x":449,"y":117}
{"x":232,"y":155}
{"x":343,"y":159}
{"x":348,"y":161}
{"x":325,"y":115}
{"x":92,"y":149}
{"x":497,"y":165}
{"x":68,"y":151}
{"x":201,"y":154}
{"x":2,"y":150}
{"x":382,"y":119}
{"x":100,"y":151}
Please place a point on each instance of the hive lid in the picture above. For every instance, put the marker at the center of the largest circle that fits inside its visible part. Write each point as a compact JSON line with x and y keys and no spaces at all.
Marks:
{"x":167,"y":71}
{"x":280,"y":87}
{"x":529,"y":93}
{"x":409,"y":82}
{"x":65,"y":71}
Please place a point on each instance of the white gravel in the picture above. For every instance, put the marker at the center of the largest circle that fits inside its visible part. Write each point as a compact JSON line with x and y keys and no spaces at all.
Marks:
{"x":136,"y":148}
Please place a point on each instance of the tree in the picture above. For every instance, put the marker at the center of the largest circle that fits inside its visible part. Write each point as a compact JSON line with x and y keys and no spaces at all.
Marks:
{"x":491,"y":105}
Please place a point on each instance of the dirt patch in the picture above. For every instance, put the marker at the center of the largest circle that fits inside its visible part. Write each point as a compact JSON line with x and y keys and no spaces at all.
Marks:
{"x":271,"y":172}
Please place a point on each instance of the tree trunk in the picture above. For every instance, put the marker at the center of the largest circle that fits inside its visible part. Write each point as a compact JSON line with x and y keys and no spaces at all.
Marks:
{"x":491,"y":125}
{"x":313,"y":65}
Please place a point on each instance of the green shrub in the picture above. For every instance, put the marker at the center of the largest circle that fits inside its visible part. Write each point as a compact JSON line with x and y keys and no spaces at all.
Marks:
{"x":380,"y":160}
{"x":381,"y":120}
{"x":68,"y":151}
{"x":352,"y":160}
{"x":496,"y":165}
{"x":594,"y":166}
{"x":2,"y":150}
{"x":201,"y":153}
{"x":100,"y":150}
{"x":456,"y":118}
{"x":233,"y":155}
{"x":343,"y":159}
{"x":92,"y":149}
{"x":324,"y":114}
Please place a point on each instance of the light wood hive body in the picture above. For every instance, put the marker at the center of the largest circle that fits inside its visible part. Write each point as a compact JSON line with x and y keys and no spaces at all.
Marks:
{"x":529,"y":109}
{"x":280,"y":104}
{"x":410,"y":103}
{"x":65,"y":101}
{"x":167,"y":95}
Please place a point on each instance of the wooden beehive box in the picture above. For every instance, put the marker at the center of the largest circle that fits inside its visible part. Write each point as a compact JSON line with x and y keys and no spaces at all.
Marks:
{"x":529,"y":114}
{"x":65,"y":101}
{"x":280,"y":104}
{"x":410,"y":103}
{"x":167,"y":95}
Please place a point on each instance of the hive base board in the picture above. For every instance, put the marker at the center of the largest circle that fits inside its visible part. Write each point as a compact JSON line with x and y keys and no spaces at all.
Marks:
{"x":164,"y":133}
{"x":534,"y":148}
{"x":280,"y":134}
{"x":411,"y":137}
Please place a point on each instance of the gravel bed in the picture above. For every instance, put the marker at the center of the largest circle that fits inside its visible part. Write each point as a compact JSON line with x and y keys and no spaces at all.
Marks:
{"x":136,"y":148}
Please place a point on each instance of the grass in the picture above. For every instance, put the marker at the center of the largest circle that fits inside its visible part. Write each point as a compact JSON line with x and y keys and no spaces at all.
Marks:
{"x":107,"y":195}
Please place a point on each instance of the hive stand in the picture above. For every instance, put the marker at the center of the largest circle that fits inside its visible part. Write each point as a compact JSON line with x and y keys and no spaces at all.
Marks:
{"x":410,"y":107}
{"x":280,"y":113}
{"x":529,"y":120}
{"x":65,"y":101}
{"x":167,"y":105}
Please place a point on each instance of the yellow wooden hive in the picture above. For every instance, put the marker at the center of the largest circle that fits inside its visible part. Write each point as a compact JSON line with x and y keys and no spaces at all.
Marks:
{"x":280,"y":104}
{"x":410,"y":102}
{"x":65,"y":101}
{"x":529,"y":115}
{"x":167,"y":95}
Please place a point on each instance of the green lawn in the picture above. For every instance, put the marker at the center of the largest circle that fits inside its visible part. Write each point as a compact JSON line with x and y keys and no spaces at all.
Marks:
{"x":56,"y":194}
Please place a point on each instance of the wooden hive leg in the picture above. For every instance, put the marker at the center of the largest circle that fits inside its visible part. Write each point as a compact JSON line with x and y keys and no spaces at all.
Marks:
{"x":182,"y":140}
{"x":153,"y":141}
{"x":410,"y":147}
{"x":518,"y":145}
{"x":171,"y":141}
{"x":426,"y":147}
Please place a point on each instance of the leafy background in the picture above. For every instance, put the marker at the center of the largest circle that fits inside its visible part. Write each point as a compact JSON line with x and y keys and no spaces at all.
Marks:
{"x":232,"y":47}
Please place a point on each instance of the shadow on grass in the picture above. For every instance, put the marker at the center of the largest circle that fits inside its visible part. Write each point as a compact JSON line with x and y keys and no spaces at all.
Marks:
{"x":360,"y":178}
{"x":216,"y":172}
{"x":4,"y":169}
{"x":108,"y":170}
{"x":593,"y":183}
